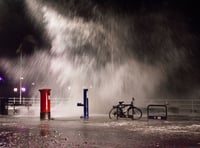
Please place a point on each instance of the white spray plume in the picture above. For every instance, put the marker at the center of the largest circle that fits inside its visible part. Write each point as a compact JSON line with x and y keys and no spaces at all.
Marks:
{"x":85,"y":54}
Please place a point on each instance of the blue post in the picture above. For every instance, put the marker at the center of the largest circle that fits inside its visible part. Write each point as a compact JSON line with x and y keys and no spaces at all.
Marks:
{"x":85,"y":100}
{"x":85,"y":104}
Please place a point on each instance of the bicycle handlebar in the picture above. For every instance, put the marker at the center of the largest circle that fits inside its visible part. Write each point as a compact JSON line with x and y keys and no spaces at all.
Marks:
{"x":124,"y":105}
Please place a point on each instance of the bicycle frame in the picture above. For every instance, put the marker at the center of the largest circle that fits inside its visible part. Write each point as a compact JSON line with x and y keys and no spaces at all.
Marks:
{"x":123,"y":110}
{"x":120,"y":113}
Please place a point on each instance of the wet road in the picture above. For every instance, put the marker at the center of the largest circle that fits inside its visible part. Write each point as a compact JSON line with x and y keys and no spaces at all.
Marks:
{"x":97,"y":132}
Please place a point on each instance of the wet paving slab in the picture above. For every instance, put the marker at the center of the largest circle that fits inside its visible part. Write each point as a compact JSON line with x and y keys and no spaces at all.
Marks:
{"x":97,"y":132}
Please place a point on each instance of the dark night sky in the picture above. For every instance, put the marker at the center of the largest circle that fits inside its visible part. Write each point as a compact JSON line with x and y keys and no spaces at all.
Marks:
{"x":15,"y":25}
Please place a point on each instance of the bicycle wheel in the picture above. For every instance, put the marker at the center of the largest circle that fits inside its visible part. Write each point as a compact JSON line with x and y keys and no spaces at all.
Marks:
{"x":134,"y":113}
{"x":113,"y":113}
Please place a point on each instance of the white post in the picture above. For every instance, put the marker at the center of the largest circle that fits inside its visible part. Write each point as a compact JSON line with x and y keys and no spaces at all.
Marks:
{"x":20,"y":78}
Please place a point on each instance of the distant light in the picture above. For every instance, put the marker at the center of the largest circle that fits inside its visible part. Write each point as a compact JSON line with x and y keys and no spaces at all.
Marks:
{"x":15,"y":89}
{"x":1,"y":79}
{"x":32,"y":83}
{"x":21,"y":78}
{"x":69,"y":87}
{"x":23,"y":89}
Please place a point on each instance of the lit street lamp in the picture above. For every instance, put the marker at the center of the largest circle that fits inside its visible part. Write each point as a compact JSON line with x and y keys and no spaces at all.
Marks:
{"x":23,"y":89}
{"x":20,"y":78}
{"x":27,"y":39}
{"x":15,"y":89}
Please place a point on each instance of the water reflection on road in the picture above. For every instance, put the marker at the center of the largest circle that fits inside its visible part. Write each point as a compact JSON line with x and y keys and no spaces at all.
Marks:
{"x":97,"y":132}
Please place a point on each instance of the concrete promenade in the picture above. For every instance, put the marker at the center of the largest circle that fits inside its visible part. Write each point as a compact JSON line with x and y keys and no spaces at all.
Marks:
{"x":97,"y":132}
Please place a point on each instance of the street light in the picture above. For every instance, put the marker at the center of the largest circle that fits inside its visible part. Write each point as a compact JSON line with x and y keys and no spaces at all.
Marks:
{"x":23,"y":89}
{"x":19,"y":49}
{"x":27,"y":39}
{"x":15,"y":89}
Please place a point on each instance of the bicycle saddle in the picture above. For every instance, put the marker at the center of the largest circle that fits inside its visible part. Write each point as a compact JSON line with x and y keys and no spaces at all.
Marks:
{"x":121,"y":102}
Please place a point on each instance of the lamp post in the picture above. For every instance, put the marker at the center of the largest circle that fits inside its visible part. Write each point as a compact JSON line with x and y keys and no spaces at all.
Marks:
{"x":20,"y":73}
{"x":27,"y":39}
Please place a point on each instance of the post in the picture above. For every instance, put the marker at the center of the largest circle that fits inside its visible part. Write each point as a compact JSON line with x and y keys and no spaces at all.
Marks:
{"x":45,"y":113}
{"x":85,"y":105}
{"x":21,"y":78}
{"x":85,"y":100}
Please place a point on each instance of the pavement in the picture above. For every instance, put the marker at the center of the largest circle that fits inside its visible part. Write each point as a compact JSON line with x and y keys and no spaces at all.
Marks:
{"x":97,"y":132}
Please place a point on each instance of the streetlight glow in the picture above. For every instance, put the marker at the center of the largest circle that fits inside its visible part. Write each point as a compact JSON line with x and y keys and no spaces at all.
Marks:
{"x":15,"y":89}
{"x":69,"y":87}
{"x":23,"y":89}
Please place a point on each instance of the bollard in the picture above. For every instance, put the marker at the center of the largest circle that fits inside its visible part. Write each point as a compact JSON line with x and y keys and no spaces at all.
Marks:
{"x":85,"y":105}
{"x":45,"y":113}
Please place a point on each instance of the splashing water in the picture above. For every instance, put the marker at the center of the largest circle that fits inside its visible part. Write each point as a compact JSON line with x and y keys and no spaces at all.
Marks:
{"x":94,"y":54}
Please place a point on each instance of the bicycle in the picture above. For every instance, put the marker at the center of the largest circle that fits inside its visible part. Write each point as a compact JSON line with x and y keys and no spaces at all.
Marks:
{"x":122,"y":110}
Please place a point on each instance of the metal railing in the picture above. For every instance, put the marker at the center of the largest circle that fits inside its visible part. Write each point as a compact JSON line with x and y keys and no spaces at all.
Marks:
{"x":13,"y":104}
{"x":190,"y":107}
{"x":178,"y":106}
{"x":33,"y":101}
